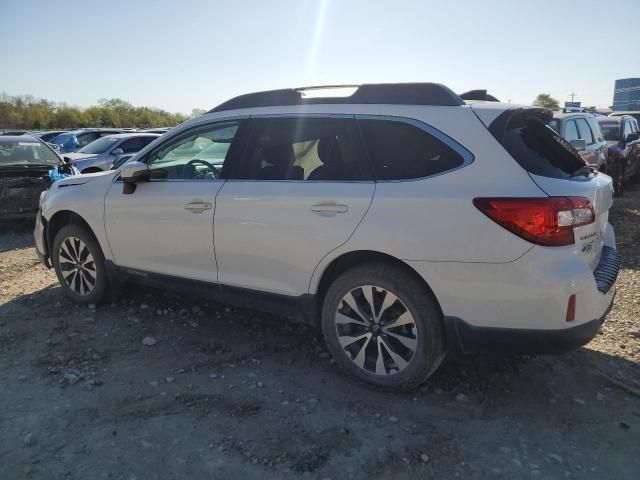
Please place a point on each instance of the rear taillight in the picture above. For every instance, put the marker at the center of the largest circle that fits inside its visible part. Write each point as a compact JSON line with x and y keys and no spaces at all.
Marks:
{"x":544,"y":221}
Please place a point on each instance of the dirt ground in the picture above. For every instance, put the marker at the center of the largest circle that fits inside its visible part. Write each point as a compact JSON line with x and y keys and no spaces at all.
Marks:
{"x":227,"y":393}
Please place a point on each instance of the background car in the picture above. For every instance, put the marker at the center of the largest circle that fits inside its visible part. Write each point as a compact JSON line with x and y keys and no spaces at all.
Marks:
{"x":623,"y":142}
{"x":28,"y":166}
{"x":47,"y":135}
{"x":634,"y":113}
{"x":12,"y":132}
{"x":72,"y":141}
{"x":583,"y":132}
{"x":100,"y":154}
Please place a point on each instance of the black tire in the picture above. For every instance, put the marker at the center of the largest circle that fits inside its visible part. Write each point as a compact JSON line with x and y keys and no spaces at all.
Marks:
{"x":418,"y":301}
{"x":81,"y":280}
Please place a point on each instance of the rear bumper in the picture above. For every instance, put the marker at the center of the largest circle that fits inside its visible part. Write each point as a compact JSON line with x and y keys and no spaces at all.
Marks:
{"x":466,"y":338}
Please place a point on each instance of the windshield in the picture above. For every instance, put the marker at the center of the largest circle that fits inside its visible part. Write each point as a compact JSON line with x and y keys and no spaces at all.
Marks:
{"x":98,"y":146}
{"x":610,"y":131}
{"x":25,"y":152}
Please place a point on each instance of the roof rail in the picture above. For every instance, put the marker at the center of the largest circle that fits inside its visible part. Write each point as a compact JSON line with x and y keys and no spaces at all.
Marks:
{"x":382,"y":93}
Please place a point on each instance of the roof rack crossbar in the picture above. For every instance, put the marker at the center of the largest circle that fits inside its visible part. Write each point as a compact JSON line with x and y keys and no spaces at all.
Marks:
{"x":384,"y":93}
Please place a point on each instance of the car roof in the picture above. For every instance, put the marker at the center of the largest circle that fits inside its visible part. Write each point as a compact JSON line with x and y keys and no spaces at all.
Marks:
{"x":131,"y":135}
{"x":615,"y":119}
{"x":562,"y":116}
{"x":19,"y":138}
{"x":625,"y":112}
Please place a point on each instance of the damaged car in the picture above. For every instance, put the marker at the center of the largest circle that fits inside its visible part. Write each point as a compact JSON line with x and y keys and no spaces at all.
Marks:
{"x":28,"y":166}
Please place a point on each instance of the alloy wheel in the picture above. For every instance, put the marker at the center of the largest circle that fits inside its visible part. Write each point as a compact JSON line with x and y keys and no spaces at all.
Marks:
{"x":376,"y":330}
{"x":77,"y":266}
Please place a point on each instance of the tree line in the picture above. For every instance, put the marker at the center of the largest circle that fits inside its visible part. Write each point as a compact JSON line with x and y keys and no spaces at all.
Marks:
{"x":28,"y":113}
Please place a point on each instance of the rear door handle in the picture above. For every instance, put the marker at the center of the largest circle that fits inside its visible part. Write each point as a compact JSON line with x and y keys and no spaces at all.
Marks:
{"x":329,"y":209}
{"x":197,"y":207}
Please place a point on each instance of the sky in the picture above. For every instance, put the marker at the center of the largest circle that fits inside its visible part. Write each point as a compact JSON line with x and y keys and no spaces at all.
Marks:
{"x":185,"y":54}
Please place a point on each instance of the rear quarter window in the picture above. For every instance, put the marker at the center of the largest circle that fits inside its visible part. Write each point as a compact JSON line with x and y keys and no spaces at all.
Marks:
{"x":402,"y":151}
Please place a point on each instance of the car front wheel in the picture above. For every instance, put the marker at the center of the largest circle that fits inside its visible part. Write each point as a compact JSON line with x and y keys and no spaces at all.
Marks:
{"x":383,"y":326}
{"x":79,"y":264}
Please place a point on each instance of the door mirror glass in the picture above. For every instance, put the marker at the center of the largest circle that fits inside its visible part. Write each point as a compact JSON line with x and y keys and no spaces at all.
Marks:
{"x":134,"y":172}
{"x":117,"y":151}
{"x":579,"y":144}
{"x":632,"y":137}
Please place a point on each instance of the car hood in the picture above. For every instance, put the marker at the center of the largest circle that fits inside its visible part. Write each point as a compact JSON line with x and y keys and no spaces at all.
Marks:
{"x":82,"y":179}
{"x":79,"y":156}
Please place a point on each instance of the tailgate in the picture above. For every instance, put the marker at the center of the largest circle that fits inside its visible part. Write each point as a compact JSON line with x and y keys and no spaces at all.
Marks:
{"x":599,"y":190}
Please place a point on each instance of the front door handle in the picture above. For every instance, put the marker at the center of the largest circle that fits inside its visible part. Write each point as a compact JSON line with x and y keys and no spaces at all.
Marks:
{"x":329,"y":209}
{"x":197,"y":207}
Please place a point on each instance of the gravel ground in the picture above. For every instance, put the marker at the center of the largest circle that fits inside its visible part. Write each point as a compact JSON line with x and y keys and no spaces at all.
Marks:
{"x":162,"y":386}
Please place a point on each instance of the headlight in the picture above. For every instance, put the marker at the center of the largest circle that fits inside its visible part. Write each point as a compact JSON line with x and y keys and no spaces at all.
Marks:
{"x":43,"y":198}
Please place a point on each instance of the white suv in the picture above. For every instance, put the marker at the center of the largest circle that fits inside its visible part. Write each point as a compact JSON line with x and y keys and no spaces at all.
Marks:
{"x":404,"y":220}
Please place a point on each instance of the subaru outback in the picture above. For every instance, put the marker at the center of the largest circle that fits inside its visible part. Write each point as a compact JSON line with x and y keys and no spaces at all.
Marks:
{"x":401,"y":219}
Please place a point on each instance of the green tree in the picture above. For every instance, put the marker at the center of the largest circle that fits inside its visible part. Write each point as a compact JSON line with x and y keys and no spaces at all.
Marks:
{"x":25,"y":111}
{"x":545,"y":100}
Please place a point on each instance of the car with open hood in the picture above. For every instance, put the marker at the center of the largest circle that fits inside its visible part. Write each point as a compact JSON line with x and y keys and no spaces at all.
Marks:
{"x":28,"y":166}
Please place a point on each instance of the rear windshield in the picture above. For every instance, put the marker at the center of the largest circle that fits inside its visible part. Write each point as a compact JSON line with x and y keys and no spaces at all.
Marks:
{"x":25,"y":152}
{"x":536,"y":147}
{"x":611,"y":131}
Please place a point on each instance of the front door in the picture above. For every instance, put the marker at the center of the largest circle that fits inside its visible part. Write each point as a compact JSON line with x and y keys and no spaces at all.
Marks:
{"x":166,"y":225}
{"x":298,"y":191}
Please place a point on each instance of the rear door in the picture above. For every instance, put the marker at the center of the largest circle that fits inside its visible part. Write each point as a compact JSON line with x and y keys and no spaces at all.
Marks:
{"x":298,"y":191}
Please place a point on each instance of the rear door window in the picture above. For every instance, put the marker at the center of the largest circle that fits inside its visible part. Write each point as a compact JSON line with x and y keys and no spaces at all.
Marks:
{"x":302,"y":149}
{"x":401,"y":151}
{"x":584,"y":131}
{"x":571,"y":131}
{"x":595,"y":129}
{"x":135,"y":144}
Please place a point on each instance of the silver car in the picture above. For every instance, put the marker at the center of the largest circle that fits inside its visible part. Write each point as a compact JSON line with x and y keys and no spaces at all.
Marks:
{"x":100,"y":154}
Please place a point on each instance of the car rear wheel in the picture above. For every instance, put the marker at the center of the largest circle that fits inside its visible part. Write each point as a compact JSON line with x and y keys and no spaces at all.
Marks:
{"x":79,"y":265}
{"x":383,"y":326}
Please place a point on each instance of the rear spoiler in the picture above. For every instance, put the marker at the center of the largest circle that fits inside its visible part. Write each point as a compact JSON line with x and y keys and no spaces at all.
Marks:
{"x":481,"y":95}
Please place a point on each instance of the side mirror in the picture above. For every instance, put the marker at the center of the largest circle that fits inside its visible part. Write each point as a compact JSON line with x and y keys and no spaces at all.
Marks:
{"x":117,"y":151}
{"x":131,"y":174}
{"x":579,"y":144}
{"x":632,"y":137}
{"x":134,"y":172}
